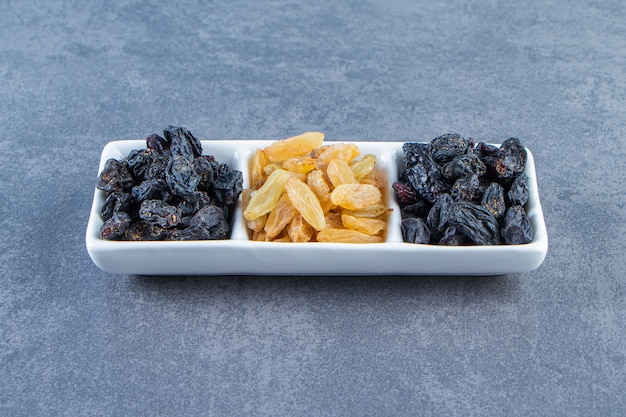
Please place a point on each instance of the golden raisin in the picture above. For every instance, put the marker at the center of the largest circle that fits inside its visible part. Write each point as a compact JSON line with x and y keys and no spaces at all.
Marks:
{"x":294,"y":146}
{"x":305,"y":202}
{"x":355,"y":196}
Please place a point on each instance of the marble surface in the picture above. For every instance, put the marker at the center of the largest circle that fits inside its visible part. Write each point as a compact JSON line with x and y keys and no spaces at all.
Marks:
{"x":75,"y":75}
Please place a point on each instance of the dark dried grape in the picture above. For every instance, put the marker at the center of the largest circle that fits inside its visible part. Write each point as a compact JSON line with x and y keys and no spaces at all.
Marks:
{"x":475,"y":222}
{"x":193,"y":202}
{"x":518,"y":194}
{"x":493,"y":200}
{"x":157,"y":167}
{"x":204,"y":167}
{"x":115,"y":177}
{"x":414,"y":230}
{"x":181,"y":176}
{"x":115,"y":227}
{"x":404,"y":192}
{"x":446,"y":147}
{"x":516,"y":228}
{"x":227,"y":185}
{"x":452,"y":237}
{"x":115,"y":202}
{"x":511,"y":158}
{"x":151,"y":190}
{"x":142,"y":230}
{"x":418,"y":209}
{"x":157,"y":144}
{"x":460,"y":190}
{"x":183,"y":143}
{"x":463,"y":165}
{"x":439,"y":215}
{"x":465,"y":188}
{"x":159,"y":213}
{"x":137,"y":163}
{"x":422,"y":172}
{"x":483,"y":149}
{"x":163,"y":189}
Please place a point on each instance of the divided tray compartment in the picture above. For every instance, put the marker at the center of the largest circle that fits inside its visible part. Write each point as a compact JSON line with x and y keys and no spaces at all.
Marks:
{"x":241,"y":256}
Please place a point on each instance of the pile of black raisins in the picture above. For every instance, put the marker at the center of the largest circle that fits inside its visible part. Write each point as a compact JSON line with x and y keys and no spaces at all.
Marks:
{"x":453,"y":192}
{"x":168,"y":191}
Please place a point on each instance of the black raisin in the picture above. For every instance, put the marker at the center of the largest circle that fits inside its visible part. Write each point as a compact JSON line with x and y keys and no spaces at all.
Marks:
{"x":181,"y":175}
{"x":415,"y":230}
{"x":511,"y":158}
{"x":463,"y":165}
{"x":475,"y":222}
{"x":518,"y":193}
{"x":516,"y":228}
{"x":159,"y":213}
{"x":446,"y":147}
{"x":493,"y":200}
{"x":115,"y":177}
{"x":116,"y":201}
{"x":116,"y":226}
{"x":465,"y":188}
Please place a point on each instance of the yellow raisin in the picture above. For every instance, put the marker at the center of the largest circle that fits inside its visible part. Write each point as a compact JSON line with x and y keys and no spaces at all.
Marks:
{"x":265,"y":198}
{"x":315,"y":180}
{"x":355,"y":196}
{"x":372,"y":212}
{"x":363,"y":166}
{"x":257,"y":169}
{"x":294,"y":146}
{"x":333,"y":220}
{"x":299,"y":164}
{"x":279,"y":217}
{"x":363,"y":224}
{"x":346,"y":236}
{"x":339,"y":172}
{"x":305,"y":202}
{"x":300,"y":230}
{"x":344,"y":151}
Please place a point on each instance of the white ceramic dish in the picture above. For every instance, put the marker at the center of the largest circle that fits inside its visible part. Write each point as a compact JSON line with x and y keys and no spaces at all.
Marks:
{"x":240,"y":256}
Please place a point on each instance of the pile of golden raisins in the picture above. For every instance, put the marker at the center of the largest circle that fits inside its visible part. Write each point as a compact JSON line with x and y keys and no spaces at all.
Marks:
{"x":302,"y":190}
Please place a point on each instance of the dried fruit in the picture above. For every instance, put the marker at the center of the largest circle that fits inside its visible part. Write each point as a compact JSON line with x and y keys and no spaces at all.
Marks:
{"x":266,"y":197}
{"x":305,"y":202}
{"x":168,"y":191}
{"x":355,"y":196}
{"x":294,"y":146}
{"x":313,"y":190}
{"x":458,"y":189}
{"x":346,"y":236}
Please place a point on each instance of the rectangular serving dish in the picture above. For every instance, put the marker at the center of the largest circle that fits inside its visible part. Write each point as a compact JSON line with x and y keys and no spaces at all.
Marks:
{"x":241,"y":256}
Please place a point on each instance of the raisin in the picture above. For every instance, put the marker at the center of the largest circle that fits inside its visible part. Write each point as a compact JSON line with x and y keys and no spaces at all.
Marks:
{"x":465,"y":188}
{"x":475,"y":222}
{"x":137,"y":163}
{"x":151,"y":190}
{"x":182,"y":143}
{"x":181,"y":175}
{"x":493,"y":200}
{"x":511,"y":158}
{"x":516,"y":228}
{"x":404,"y":192}
{"x":157,"y":144}
{"x":463,"y":165}
{"x":414,"y":230}
{"x":115,"y":226}
{"x":141,"y":230}
{"x":115,"y":202}
{"x":227,"y":185}
{"x":439,"y":215}
{"x":115,"y":177}
{"x":446,"y":147}
{"x":483,"y":149}
{"x":452,"y":237}
{"x":160,"y":213}
{"x":204,"y":167}
{"x":518,"y":193}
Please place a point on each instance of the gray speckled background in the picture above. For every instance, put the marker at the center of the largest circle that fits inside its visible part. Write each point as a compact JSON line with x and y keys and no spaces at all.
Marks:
{"x":77,"y":341}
